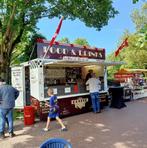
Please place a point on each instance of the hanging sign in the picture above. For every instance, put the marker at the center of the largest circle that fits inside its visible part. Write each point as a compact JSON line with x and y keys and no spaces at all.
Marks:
{"x":60,"y":51}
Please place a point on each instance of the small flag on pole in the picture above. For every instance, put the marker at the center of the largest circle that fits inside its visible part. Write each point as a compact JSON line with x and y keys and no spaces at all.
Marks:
{"x":124,"y":44}
{"x":54,"y":37}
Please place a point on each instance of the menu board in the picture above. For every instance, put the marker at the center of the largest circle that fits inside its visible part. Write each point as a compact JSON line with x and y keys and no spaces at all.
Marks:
{"x":17,"y":77}
{"x":72,"y":74}
{"x":17,"y":74}
{"x":55,"y":73}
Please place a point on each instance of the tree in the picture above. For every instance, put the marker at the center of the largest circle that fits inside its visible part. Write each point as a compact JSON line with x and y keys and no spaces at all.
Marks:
{"x":18,"y":19}
{"x":64,"y":40}
{"x":140,"y":20}
{"x":135,"y":1}
{"x":135,"y":55}
{"x":81,"y":41}
{"x":29,"y":51}
{"x":139,"y":17}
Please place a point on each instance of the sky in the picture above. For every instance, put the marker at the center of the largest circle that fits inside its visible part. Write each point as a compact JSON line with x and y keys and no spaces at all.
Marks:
{"x":109,"y":35}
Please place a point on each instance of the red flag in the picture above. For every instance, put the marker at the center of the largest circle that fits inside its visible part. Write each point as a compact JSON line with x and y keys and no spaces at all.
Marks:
{"x":54,"y":37}
{"x":56,"y":33}
{"x":124,"y":44}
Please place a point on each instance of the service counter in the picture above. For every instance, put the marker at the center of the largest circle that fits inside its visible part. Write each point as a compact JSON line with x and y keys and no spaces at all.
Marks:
{"x":136,"y":93}
{"x":70,"y":104}
{"x":65,"y":91}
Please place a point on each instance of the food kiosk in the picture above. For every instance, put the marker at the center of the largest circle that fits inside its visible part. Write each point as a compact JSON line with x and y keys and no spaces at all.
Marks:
{"x":64,"y":69}
{"x":138,"y":78}
{"x":140,"y":82}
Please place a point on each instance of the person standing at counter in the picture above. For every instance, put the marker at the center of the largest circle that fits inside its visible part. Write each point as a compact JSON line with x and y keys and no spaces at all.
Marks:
{"x":94,"y":86}
{"x":54,"y":111}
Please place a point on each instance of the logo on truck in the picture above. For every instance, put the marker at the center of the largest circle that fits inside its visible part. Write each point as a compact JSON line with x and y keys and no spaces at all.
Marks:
{"x":80,"y":102}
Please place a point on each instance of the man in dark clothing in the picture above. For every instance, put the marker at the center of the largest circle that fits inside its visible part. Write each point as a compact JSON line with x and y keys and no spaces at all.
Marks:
{"x":89,"y":75}
{"x":8,"y":95}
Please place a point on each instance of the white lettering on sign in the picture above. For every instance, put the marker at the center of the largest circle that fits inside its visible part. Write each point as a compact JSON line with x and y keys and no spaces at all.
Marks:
{"x":59,"y":51}
{"x":74,"y":58}
{"x":73,"y":52}
{"x":17,"y":78}
{"x":80,"y":102}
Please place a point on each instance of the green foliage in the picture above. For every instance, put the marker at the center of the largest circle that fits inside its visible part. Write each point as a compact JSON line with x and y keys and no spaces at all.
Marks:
{"x":78,"y":41}
{"x":24,"y":49}
{"x":135,"y":55}
{"x":94,"y":13}
{"x":29,"y":51}
{"x":18,"y":20}
{"x":140,"y":20}
{"x":81,"y":41}
{"x":64,"y":40}
{"x":17,"y":114}
{"x":113,"y":69}
{"x":135,"y":1}
{"x":139,"y":17}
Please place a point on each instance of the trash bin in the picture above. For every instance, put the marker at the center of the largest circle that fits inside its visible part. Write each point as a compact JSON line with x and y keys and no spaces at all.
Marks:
{"x":117,"y":97}
{"x":29,"y":115}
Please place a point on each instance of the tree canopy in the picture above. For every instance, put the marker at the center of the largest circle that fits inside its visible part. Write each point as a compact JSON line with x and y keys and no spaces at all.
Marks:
{"x":78,"y":41}
{"x":135,"y":55}
{"x":135,"y":1}
{"x":64,"y":40}
{"x":18,"y":20}
{"x":81,"y":41}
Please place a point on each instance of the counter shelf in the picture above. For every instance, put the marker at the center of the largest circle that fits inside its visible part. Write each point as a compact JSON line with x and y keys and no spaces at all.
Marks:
{"x":71,"y":104}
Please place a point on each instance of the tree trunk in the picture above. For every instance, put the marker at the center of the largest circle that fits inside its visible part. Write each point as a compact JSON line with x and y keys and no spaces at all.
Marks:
{"x":5,"y":71}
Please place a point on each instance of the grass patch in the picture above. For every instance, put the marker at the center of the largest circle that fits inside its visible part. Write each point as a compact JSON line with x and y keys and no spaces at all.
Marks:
{"x":17,"y":114}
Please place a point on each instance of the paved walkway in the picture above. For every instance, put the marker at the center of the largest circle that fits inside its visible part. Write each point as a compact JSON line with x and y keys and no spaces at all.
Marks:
{"x":113,"y":128}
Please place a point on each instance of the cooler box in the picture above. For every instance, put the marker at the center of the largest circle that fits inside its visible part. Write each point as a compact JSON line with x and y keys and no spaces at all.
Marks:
{"x":29,"y":115}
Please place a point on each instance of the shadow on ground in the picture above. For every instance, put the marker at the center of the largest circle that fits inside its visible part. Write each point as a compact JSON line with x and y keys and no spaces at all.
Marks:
{"x":113,"y":128}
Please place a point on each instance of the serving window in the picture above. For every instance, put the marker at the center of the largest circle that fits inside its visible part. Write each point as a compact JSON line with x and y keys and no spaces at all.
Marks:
{"x":64,"y":80}
{"x":54,"y":76}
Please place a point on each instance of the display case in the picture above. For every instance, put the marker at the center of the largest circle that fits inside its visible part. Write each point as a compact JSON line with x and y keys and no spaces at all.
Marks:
{"x":63,"y":80}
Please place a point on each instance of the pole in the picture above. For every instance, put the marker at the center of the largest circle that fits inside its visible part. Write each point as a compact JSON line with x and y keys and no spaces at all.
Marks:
{"x":105,"y":79}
